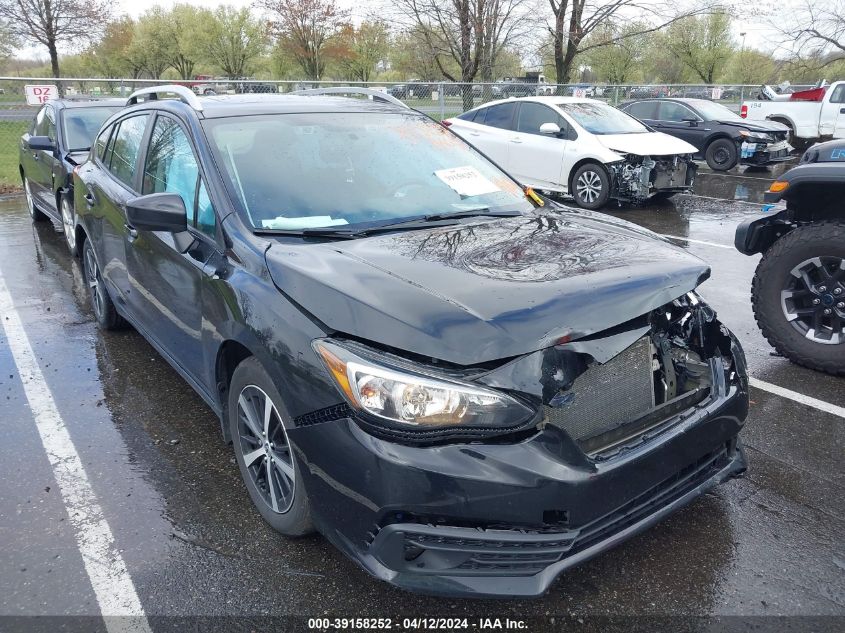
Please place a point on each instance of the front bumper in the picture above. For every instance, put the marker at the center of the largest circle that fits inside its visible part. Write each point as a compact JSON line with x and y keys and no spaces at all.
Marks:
{"x":496,"y":519}
{"x":761,"y":155}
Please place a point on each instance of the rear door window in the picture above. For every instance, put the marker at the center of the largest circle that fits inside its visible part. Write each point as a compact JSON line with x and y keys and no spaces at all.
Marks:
{"x":838,"y":95}
{"x":500,"y":116}
{"x":676,"y":112}
{"x":643,"y":109}
{"x":125,"y":147}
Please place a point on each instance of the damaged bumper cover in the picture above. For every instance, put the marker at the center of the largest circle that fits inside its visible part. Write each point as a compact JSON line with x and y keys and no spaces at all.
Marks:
{"x":505,"y":515}
{"x":637,"y":178}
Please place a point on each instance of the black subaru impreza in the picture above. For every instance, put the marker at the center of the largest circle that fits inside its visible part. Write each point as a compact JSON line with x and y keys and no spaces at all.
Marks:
{"x":465,"y":389}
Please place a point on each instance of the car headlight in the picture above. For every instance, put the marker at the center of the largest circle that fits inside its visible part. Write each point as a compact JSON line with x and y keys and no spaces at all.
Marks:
{"x":408,"y":399}
{"x":754,"y":136}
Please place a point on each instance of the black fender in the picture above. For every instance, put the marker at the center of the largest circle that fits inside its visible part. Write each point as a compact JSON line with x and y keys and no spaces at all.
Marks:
{"x":756,"y":235}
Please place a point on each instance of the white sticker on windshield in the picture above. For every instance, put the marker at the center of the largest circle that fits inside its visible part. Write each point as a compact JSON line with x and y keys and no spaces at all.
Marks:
{"x":308,"y":222}
{"x":466,"y":181}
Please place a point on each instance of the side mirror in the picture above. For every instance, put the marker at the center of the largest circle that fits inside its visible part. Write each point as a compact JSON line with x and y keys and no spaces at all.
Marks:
{"x":158,"y":212}
{"x":44,"y":143}
{"x":552,"y":129}
{"x":692,"y":122}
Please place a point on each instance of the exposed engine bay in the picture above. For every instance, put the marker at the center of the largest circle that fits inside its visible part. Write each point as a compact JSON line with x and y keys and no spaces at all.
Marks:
{"x":612,"y":391}
{"x":637,"y":178}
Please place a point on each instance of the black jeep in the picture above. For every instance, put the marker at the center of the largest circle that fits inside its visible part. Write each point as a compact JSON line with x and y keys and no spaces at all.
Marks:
{"x":799,"y":286}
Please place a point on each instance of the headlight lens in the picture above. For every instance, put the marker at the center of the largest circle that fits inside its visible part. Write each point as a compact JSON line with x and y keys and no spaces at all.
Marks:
{"x":754,"y":136}
{"x":414,"y":400}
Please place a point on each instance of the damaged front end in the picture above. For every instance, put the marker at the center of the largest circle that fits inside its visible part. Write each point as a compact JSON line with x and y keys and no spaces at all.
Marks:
{"x":615,"y":390}
{"x":633,"y":423}
{"x":636,"y":178}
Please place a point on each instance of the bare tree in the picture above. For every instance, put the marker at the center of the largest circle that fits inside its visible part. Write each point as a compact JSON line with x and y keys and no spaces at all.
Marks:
{"x":307,"y":30}
{"x":470,"y":32}
{"x":574,"y":20}
{"x":816,"y":31}
{"x":55,"y":22}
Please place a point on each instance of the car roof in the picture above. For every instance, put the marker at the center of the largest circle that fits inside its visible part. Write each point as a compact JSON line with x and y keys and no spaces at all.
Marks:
{"x":250,"y":104}
{"x":88,"y":103}
{"x":548,"y":100}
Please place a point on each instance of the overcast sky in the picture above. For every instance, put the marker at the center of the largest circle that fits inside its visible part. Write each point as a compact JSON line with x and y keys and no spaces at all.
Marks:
{"x":758,"y":33}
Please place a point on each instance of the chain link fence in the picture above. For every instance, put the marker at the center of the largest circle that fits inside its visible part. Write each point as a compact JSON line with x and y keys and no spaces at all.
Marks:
{"x":440,"y":100}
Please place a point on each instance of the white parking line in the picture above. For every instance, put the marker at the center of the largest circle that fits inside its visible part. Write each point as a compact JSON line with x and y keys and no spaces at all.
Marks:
{"x":687,"y":239}
{"x":106,"y":569}
{"x":821,"y":405}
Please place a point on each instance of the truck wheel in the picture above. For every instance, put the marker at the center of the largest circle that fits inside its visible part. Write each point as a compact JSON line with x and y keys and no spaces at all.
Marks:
{"x":590,"y":186}
{"x":798,"y":296}
{"x":721,"y":154}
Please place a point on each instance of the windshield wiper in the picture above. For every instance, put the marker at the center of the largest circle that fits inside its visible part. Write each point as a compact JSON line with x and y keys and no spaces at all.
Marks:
{"x":418,"y":222}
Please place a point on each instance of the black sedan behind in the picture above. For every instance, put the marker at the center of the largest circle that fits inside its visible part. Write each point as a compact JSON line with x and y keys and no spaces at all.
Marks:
{"x":722,"y":137}
{"x":59,"y":138}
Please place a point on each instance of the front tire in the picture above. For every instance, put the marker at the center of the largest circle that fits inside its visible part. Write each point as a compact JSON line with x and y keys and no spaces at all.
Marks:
{"x":101,"y":303}
{"x":258,"y":421}
{"x":591,"y":186}
{"x":721,"y":155}
{"x":69,"y":224}
{"x":35,"y":214}
{"x":798,"y":296}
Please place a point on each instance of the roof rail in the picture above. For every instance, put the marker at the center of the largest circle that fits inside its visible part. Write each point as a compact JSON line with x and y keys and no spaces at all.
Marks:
{"x":186,"y":95}
{"x":345,"y":90}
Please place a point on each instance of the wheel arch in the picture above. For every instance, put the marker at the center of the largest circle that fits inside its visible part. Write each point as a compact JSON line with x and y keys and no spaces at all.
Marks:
{"x":230,"y":354}
{"x":584,"y":161}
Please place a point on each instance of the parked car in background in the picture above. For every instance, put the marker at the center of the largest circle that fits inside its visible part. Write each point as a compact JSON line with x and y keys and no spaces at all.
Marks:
{"x":582,"y":147}
{"x":645,"y":92}
{"x":808,"y":120}
{"x":249,"y":86}
{"x":720,"y":136}
{"x":798,"y":291}
{"x":463,"y":390}
{"x":57,"y":141}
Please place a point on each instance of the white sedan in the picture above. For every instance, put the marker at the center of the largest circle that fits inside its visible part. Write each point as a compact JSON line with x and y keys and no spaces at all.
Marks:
{"x":582,"y":147}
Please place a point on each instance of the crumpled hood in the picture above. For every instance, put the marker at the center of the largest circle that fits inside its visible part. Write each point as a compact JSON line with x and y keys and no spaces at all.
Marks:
{"x":488,"y":289}
{"x":758,"y":126}
{"x":646,"y":144}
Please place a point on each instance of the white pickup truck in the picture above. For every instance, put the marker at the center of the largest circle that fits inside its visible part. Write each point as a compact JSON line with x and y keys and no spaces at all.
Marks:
{"x":808,"y":120}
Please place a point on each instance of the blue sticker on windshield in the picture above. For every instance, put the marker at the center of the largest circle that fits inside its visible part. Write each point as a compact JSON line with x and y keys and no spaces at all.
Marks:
{"x":837,"y":154}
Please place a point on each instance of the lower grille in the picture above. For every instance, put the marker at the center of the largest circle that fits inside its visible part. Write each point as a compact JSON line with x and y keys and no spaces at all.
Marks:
{"x":519,"y":551}
{"x":607,"y":396}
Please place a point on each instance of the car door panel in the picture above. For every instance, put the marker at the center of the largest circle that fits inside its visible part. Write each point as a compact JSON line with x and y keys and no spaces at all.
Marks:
{"x":536,"y":159}
{"x":166,"y":284}
{"x":671,"y":115}
{"x":109,"y":194}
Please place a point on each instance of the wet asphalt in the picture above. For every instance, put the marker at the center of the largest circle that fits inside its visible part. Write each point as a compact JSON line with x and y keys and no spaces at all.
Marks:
{"x":771,"y":544}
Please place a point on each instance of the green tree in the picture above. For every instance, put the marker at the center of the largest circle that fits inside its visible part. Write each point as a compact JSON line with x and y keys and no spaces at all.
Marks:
{"x":703,"y":43}
{"x":308,"y":30}
{"x":8,"y":41}
{"x":616,"y":54}
{"x":231,"y":39}
{"x":751,"y":67}
{"x":362,"y":48}
{"x":152,"y":46}
{"x":186,"y":24}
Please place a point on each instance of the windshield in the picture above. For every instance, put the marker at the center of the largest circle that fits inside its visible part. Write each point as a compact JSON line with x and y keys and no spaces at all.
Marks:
{"x":600,"y":118}
{"x":82,"y":124}
{"x":301,"y":171}
{"x":710,"y":111}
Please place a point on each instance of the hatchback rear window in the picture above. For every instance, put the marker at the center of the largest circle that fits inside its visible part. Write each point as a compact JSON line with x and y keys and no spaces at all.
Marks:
{"x":296,"y":171}
{"x":82,"y":124}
